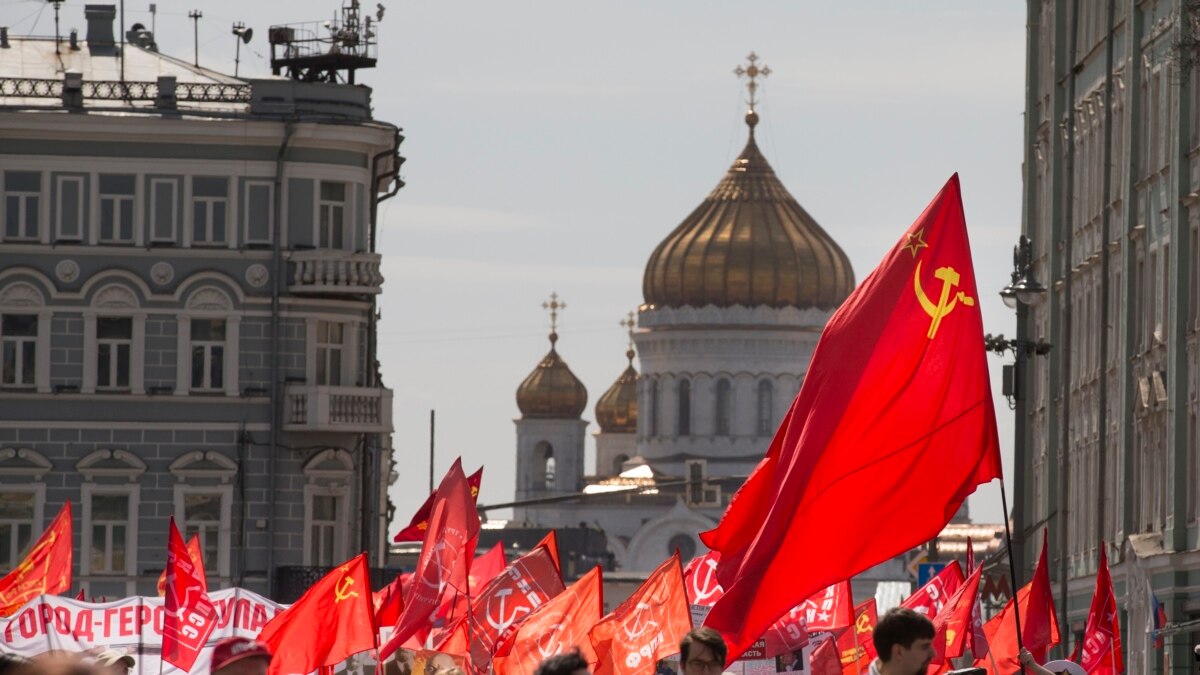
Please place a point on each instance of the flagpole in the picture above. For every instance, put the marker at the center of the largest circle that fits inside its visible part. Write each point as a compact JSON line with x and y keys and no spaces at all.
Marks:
{"x":857,"y":658}
{"x":1012,"y":565}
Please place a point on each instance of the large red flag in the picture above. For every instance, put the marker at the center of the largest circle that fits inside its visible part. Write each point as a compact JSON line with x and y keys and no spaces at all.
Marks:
{"x":45,"y":570}
{"x":1100,"y":652}
{"x":197,"y":558}
{"x":445,"y":558}
{"x":647,"y":627}
{"x":930,"y":598}
{"x":894,"y":426}
{"x":555,"y":628}
{"x":1039,"y":625}
{"x":700,"y":579}
{"x":416,"y":528}
{"x":189,"y":617}
{"x":332,"y":621}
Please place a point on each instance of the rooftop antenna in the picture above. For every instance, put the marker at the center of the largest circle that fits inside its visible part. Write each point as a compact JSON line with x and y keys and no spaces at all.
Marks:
{"x":243,"y":36}
{"x":153,"y":18}
{"x":195,"y":15}
{"x":57,"y":4}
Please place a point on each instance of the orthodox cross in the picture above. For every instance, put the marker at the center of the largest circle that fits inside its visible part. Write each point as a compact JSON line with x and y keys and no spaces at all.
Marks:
{"x":553,"y":305}
{"x":752,"y":72}
{"x":629,"y":323}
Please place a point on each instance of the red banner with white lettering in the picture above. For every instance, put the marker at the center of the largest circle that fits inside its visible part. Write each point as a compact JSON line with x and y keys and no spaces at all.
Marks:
{"x":189,"y":616}
{"x":828,"y":611}
{"x":931,"y":598}
{"x":1100,"y":652}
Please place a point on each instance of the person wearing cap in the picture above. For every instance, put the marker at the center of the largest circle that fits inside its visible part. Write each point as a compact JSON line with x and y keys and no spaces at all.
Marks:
{"x":239,"y":656}
{"x":1059,"y":667}
{"x":113,"y":662}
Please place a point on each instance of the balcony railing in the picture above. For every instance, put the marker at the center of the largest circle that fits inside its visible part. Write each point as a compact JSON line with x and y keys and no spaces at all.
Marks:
{"x":348,"y":409}
{"x":328,"y":272}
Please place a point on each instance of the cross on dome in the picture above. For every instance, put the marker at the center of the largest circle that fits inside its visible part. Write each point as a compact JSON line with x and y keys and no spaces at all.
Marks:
{"x":752,"y":72}
{"x":553,"y":305}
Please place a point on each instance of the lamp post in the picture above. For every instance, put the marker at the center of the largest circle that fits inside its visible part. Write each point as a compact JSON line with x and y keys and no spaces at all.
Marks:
{"x":1020,"y":294}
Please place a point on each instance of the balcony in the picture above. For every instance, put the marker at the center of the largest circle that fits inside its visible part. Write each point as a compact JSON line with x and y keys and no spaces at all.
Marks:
{"x":345,"y":409}
{"x":327,"y":272}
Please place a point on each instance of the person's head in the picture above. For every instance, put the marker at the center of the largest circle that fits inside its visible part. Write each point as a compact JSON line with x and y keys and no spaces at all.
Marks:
{"x":61,"y":663}
{"x":14,"y":664}
{"x":569,"y":663}
{"x":702,"y":652}
{"x":114,"y":662}
{"x":904,"y":640}
{"x":240,"y":656}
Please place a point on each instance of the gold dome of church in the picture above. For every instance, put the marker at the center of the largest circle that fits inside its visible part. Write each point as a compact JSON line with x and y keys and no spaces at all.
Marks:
{"x":749,"y":243}
{"x":552,"y":390}
{"x":617,"y":409}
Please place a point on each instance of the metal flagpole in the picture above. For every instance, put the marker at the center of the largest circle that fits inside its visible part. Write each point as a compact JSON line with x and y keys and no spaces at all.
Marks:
{"x":1012,"y":570}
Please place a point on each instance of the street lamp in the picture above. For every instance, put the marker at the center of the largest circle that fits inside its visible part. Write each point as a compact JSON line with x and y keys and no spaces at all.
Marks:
{"x":1024,"y":289}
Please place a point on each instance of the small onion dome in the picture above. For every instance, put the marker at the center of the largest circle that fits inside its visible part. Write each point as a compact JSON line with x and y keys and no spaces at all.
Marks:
{"x":552,"y":390}
{"x":616,"y":411}
{"x":749,"y":243}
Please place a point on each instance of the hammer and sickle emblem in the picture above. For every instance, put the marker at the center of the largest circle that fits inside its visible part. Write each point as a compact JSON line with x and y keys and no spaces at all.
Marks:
{"x":946,"y":302}
{"x":863,"y":625}
{"x":343,"y":591}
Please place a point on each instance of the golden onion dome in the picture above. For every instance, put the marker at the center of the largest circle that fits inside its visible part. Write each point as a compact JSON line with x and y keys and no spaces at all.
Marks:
{"x":616,"y":411}
{"x":749,"y":243}
{"x":552,"y":390}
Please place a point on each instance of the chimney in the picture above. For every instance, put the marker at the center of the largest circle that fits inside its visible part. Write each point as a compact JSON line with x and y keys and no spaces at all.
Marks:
{"x":100,"y":28}
{"x":74,"y":40}
{"x":4,"y":37}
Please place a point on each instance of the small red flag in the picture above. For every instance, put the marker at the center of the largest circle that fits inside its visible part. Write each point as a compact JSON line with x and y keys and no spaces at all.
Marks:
{"x":416,"y":528}
{"x":1100,"y":652}
{"x":954,"y":621}
{"x":80,"y":596}
{"x":445,"y":558}
{"x":332,"y":621}
{"x":647,"y":627}
{"x":976,"y":640}
{"x":555,"y":628}
{"x":1039,"y":626}
{"x":700,"y":579}
{"x":856,"y":644}
{"x":550,"y":541}
{"x":389,"y":601}
{"x":197,"y":558}
{"x":45,"y":570}
{"x":824,"y":658}
{"x":930,"y":598}
{"x":894,"y":425}
{"x":189,"y":617}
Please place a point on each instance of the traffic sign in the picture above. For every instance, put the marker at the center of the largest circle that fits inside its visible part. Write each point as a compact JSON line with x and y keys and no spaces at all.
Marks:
{"x":927,"y":571}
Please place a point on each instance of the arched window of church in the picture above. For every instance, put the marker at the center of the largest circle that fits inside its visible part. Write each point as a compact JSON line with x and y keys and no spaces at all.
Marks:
{"x":549,"y":464}
{"x":543,"y":466}
{"x":654,"y":408}
{"x":685,"y":408}
{"x":766,"y":407}
{"x":724,"y":404}
{"x":685,"y":544}
{"x":618,"y":461}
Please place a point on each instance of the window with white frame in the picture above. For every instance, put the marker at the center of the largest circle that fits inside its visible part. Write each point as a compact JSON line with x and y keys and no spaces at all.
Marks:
{"x":116,"y":209}
{"x":208,"y":354}
{"x":329,"y":352}
{"x":163,"y":211}
{"x":17,"y":521}
{"x":323,"y":527}
{"x":69,"y":208}
{"x":203,"y":518}
{"x":114,"y":346}
{"x":22,"y":199}
{"x":328,"y":476}
{"x":259,"y":213}
{"x":110,"y":543}
{"x":332,"y":208}
{"x":210,"y":207}
{"x":18,"y":350}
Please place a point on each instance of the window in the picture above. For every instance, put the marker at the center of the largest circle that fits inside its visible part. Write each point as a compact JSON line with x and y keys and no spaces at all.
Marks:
{"x":259,"y":213}
{"x":766,"y":408}
{"x":724,"y":403}
{"x":322,"y":530}
{"x":110,"y":542}
{"x":114,"y":342}
{"x":326,"y":500}
{"x":202,"y":512}
{"x":17,"y":518}
{"x":163,"y":210}
{"x":550,"y":468}
{"x":333,"y":210}
{"x":543,"y":466}
{"x":329,"y":353}
{"x":685,"y":544}
{"x":18,"y":335}
{"x":654,"y":408}
{"x":116,"y":209}
{"x":22,"y":197}
{"x":69,"y":214}
{"x":210,"y":200}
{"x":684,"y":426}
{"x":208,"y":354}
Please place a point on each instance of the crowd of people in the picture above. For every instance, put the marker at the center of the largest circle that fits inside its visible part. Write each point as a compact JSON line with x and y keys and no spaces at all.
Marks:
{"x":903,"y":639}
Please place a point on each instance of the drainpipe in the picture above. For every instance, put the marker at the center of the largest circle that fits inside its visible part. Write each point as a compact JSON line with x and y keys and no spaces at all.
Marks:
{"x":1068,"y":252}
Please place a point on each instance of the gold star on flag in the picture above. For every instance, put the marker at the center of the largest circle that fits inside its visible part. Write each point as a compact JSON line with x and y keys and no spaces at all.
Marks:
{"x":916,"y":241}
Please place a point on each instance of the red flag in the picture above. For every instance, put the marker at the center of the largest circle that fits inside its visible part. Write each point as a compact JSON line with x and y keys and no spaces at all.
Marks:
{"x":930,"y":598}
{"x":389,"y":601}
{"x":954,"y":621}
{"x":700,"y":580}
{"x":45,"y":570}
{"x":483,"y":569}
{"x":647,"y":627}
{"x":824,"y":658}
{"x":80,"y":596}
{"x":976,"y":640}
{"x":1039,"y":626}
{"x":1101,"y":648}
{"x":189,"y":617}
{"x":550,"y":541}
{"x":416,"y":528}
{"x":330,"y":622}
{"x":555,"y":628}
{"x":506,"y":601}
{"x":856,"y":644}
{"x":445,"y":557}
{"x":894,"y":425}
{"x":826,"y":612}
{"x":197,"y":558}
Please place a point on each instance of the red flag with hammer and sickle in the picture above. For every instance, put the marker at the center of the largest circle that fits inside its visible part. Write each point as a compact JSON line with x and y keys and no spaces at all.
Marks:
{"x":894,"y":426}
{"x":45,"y":570}
{"x":647,"y":627}
{"x":560,"y":625}
{"x":856,"y":644}
{"x":700,"y":579}
{"x":332,"y":621}
{"x":416,"y":528}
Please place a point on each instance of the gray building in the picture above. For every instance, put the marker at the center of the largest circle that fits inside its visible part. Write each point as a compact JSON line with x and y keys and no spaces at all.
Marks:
{"x":187,"y":305}
{"x":1112,"y":206}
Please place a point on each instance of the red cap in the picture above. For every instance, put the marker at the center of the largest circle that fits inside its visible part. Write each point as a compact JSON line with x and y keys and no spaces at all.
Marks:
{"x":232,"y":649}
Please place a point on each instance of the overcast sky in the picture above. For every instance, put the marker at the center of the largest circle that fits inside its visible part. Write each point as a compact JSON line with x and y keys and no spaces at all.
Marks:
{"x":552,"y":144}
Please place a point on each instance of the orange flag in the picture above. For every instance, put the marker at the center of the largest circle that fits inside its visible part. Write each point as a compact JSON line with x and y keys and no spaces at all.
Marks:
{"x":197,"y":557}
{"x":647,"y":627}
{"x":550,"y":541}
{"x":555,"y":628}
{"x":189,"y":617}
{"x":46,"y":569}
{"x":330,"y":622}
